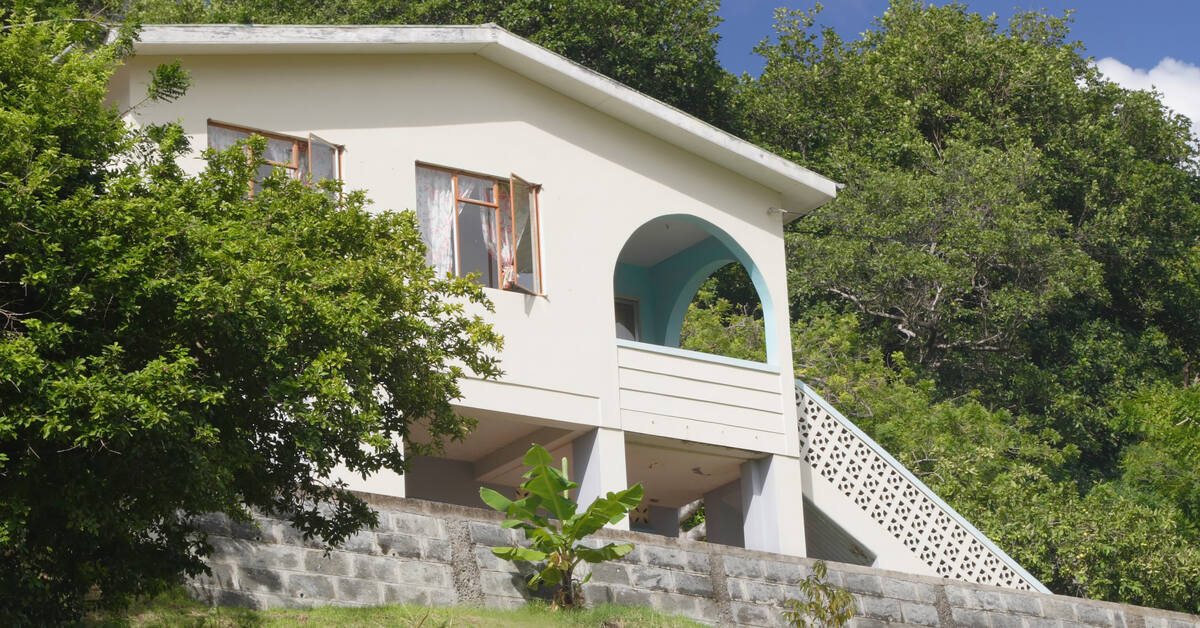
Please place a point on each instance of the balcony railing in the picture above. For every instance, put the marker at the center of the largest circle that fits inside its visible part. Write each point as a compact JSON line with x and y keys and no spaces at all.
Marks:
{"x":701,"y":397}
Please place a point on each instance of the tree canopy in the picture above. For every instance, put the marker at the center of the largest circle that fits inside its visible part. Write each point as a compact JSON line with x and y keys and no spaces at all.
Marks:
{"x":1005,"y":293}
{"x":170,"y":346}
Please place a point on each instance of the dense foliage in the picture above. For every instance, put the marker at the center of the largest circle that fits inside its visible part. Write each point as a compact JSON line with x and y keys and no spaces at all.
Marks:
{"x":171,"y":347}
{"x":1007,"y":292}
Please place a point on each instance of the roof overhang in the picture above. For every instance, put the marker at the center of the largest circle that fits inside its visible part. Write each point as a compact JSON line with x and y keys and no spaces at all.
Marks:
{"x":802,"y":190}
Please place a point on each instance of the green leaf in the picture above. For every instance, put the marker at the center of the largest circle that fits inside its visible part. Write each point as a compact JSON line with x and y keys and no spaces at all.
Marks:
{"x":611,"y":508}
{"x":547,"y":484}
{"x":494,"y":499}
{"x":551,"y":576}
{"x":537,"y":456}
{"x":608,"y":552}
{"x":519,"y":553}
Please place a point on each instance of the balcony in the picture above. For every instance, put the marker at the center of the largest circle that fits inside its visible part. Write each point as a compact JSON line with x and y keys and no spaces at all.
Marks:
{"x":687,"y":395}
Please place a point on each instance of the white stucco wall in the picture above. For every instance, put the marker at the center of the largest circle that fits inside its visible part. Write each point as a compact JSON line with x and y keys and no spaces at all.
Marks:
{"x":601,"y":180}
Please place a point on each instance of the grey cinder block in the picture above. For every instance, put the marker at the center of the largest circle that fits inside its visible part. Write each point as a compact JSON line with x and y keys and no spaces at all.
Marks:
{"x":419,"y":525}
{"x":666,"y":558}
{"x":862,"y":583}
{"x":919,"y":614}
{"x":309,"y":587}
{"x":358,"y":591}
{"x":400,"y":545}
{"x":693,"y":584}
{"x":651,"y":578}
{"x":967,"y":618}
{"x":880,"y":608}
{"x":738,"y":567}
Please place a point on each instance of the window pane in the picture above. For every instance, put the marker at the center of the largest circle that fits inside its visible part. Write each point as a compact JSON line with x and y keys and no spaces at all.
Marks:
{"x":627,"y":314}
{"x":264,"y":171}
{"x":525,"y":228}
{"x":221,"y":138}
{"x":435,"y":216}
{"x":279,"y":151}
{"x":477,"y":244}
{"x":302,"y":157}
{"x":476,"y":189}
{"x":323,"y":158}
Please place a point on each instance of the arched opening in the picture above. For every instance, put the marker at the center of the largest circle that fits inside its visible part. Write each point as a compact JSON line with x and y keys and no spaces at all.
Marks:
{"x":660,"y":270}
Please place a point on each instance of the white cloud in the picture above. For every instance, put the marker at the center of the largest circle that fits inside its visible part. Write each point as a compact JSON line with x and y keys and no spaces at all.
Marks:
{"x":1177,"y":81}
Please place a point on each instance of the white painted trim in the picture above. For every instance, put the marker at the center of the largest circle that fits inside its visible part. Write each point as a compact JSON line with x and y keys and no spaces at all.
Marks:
{"x":698,"y":356}
{"x":802,"y":189}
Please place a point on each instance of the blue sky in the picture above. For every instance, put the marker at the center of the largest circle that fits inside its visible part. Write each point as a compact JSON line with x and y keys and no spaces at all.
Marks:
{"x":1136,"y":43}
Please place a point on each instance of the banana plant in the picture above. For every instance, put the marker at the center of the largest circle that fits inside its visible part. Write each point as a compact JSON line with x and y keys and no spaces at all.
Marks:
{"x":554,"y":528}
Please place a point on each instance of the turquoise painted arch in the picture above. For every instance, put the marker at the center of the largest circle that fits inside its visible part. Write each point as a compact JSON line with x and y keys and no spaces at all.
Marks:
{"x":665,"y":288}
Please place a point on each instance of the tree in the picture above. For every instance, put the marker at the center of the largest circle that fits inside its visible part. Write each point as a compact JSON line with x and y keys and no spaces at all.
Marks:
{"x":171,"y":347}
{"x":1000,"y":193}
{"x":1164,"y":464}
{"x":713,"y":324}
{"x":560,"y":543}
{"x":1004,"y":293}
{"x":664,"y":48}
{"x":1117,"y":541}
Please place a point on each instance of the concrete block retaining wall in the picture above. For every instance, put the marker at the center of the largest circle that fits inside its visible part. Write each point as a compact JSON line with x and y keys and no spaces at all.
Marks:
{"x":438,"y":554}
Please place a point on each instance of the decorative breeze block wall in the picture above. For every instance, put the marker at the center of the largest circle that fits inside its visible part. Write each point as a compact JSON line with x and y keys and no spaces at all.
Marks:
{"x":900,"y":503}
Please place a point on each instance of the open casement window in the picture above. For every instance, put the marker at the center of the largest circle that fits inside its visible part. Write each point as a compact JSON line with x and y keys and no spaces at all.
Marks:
{"x":310,"y":159}
{"x":475,"y":223}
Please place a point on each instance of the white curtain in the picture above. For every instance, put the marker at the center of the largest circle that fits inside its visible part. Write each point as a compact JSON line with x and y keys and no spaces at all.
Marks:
{"x":435,"y":215}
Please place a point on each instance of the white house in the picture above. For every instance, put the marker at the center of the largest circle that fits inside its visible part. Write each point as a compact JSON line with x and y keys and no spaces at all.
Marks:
{"x":592,"y":213}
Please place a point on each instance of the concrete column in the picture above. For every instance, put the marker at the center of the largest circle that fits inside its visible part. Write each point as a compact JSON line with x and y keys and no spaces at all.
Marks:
{"x":773,"y":505}
{"x":599,"y":466}
{"x":665,"y":521}
{"x":723,"y":515}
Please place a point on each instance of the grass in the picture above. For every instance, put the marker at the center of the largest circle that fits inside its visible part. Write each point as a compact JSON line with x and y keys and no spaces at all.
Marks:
{"x":176,"y":610}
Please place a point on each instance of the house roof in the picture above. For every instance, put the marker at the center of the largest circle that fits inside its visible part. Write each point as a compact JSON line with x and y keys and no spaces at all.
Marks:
{"x":802,"y":189}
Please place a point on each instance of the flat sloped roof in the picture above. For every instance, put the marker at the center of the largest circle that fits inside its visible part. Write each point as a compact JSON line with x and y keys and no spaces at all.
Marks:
{"x":802,"y":189}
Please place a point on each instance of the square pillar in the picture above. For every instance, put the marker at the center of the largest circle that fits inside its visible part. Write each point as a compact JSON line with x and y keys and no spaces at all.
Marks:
{"x":773,"y":505}
{"x":723,"y":515}
{"x":599,"y":467}
{"x":665,"y":521}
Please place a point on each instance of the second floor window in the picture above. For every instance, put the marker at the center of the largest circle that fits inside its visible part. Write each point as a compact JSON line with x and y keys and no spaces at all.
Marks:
{"x":474,"y":223}
{"x":310,"y":159}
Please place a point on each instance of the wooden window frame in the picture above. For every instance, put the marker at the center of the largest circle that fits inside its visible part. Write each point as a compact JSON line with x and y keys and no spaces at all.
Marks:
{"x":297,"y":143}
{"x":535,"y":221}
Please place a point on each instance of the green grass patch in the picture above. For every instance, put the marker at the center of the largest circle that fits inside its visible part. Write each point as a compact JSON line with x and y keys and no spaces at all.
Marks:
{"x":176,"y":610}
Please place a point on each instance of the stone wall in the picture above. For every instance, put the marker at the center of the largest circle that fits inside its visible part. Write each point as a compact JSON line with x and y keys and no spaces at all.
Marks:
{"x":438,"y":554}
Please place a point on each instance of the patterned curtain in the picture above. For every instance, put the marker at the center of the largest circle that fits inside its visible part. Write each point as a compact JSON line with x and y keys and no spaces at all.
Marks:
{"x":435,"y":216}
